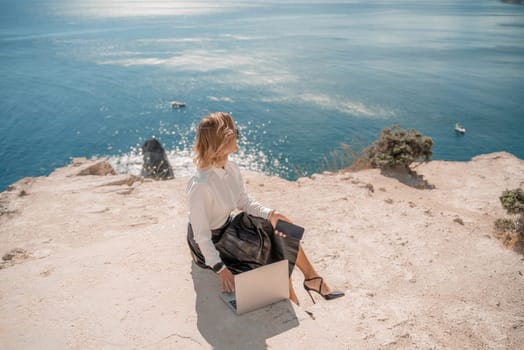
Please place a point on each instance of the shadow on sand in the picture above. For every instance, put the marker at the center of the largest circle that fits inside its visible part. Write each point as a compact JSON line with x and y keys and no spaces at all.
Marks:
{"x":408,"y":177}
{"x":223,"y":329}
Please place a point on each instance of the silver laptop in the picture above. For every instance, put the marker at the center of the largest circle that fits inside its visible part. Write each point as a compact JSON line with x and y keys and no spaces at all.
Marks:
{"x":259,"y":287}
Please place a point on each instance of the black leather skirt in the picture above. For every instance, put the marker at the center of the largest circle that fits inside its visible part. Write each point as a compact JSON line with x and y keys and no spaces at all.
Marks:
{"x":246,"y":242}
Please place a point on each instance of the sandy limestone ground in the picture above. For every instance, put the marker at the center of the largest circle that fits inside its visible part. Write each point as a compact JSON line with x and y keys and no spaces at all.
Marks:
{"x":102,"y":263}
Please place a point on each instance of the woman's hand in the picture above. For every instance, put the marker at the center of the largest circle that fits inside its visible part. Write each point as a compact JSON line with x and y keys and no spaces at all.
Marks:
{"x":274,"y":217}
{"x":227,"y":281}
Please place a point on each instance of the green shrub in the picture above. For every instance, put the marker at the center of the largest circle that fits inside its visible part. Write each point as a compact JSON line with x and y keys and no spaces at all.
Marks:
{"x":513,"y":201}
{"x":504,"y":225}
{"x":396,"y":147}
{"x":512,"y":230}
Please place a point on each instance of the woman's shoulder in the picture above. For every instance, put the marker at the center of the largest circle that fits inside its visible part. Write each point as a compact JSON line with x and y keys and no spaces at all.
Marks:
{"x":201,"y":176}
{"x":199,"y":180}
{"x":232,"y":166}
{"x":233,"y":169}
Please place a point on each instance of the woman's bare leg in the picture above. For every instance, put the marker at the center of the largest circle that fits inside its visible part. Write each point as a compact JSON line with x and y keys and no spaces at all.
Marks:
{"x":309,"y":271}
{"x":292,"y":295}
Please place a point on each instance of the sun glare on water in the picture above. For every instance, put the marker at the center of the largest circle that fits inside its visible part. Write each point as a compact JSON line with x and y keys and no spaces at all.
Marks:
{"x":140,"y":8}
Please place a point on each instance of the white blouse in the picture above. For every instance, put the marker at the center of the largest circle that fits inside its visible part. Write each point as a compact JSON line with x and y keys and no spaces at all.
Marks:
{"x":213,"y":194}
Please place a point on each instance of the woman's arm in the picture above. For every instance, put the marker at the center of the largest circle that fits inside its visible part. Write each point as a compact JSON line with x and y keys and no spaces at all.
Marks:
{"x":244,"y":202}
{"x":251,"y":206}
{"x":199,"y":204}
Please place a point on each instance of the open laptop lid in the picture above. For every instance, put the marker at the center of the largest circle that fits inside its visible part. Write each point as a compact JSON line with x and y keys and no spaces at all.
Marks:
{"x":261,"y":287}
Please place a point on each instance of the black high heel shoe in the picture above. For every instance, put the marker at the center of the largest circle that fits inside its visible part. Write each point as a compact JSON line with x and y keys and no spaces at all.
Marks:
{"x":328,"y":296}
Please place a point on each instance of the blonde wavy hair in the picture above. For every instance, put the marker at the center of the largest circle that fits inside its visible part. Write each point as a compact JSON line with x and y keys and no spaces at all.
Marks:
{"x":215,"y":133}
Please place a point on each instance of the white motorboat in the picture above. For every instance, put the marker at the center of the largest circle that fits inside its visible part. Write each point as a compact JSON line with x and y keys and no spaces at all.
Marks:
{"x":177,"y":104}
{"x":460,"y":129}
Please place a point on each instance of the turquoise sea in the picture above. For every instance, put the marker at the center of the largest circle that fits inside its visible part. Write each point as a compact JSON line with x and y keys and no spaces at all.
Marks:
{"x":95,"y":78}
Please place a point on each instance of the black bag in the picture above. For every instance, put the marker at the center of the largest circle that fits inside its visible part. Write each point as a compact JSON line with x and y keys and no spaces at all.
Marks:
{"x":246,"y":243}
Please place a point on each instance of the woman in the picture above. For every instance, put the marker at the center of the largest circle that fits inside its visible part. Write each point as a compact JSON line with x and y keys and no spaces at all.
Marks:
{"x":214,"y":192}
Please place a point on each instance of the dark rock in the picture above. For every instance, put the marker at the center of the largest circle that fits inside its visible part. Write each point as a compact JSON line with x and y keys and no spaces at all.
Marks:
{"x":16,"y":253}
{"x":156,"y":165}
{"x":459,"y":221}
